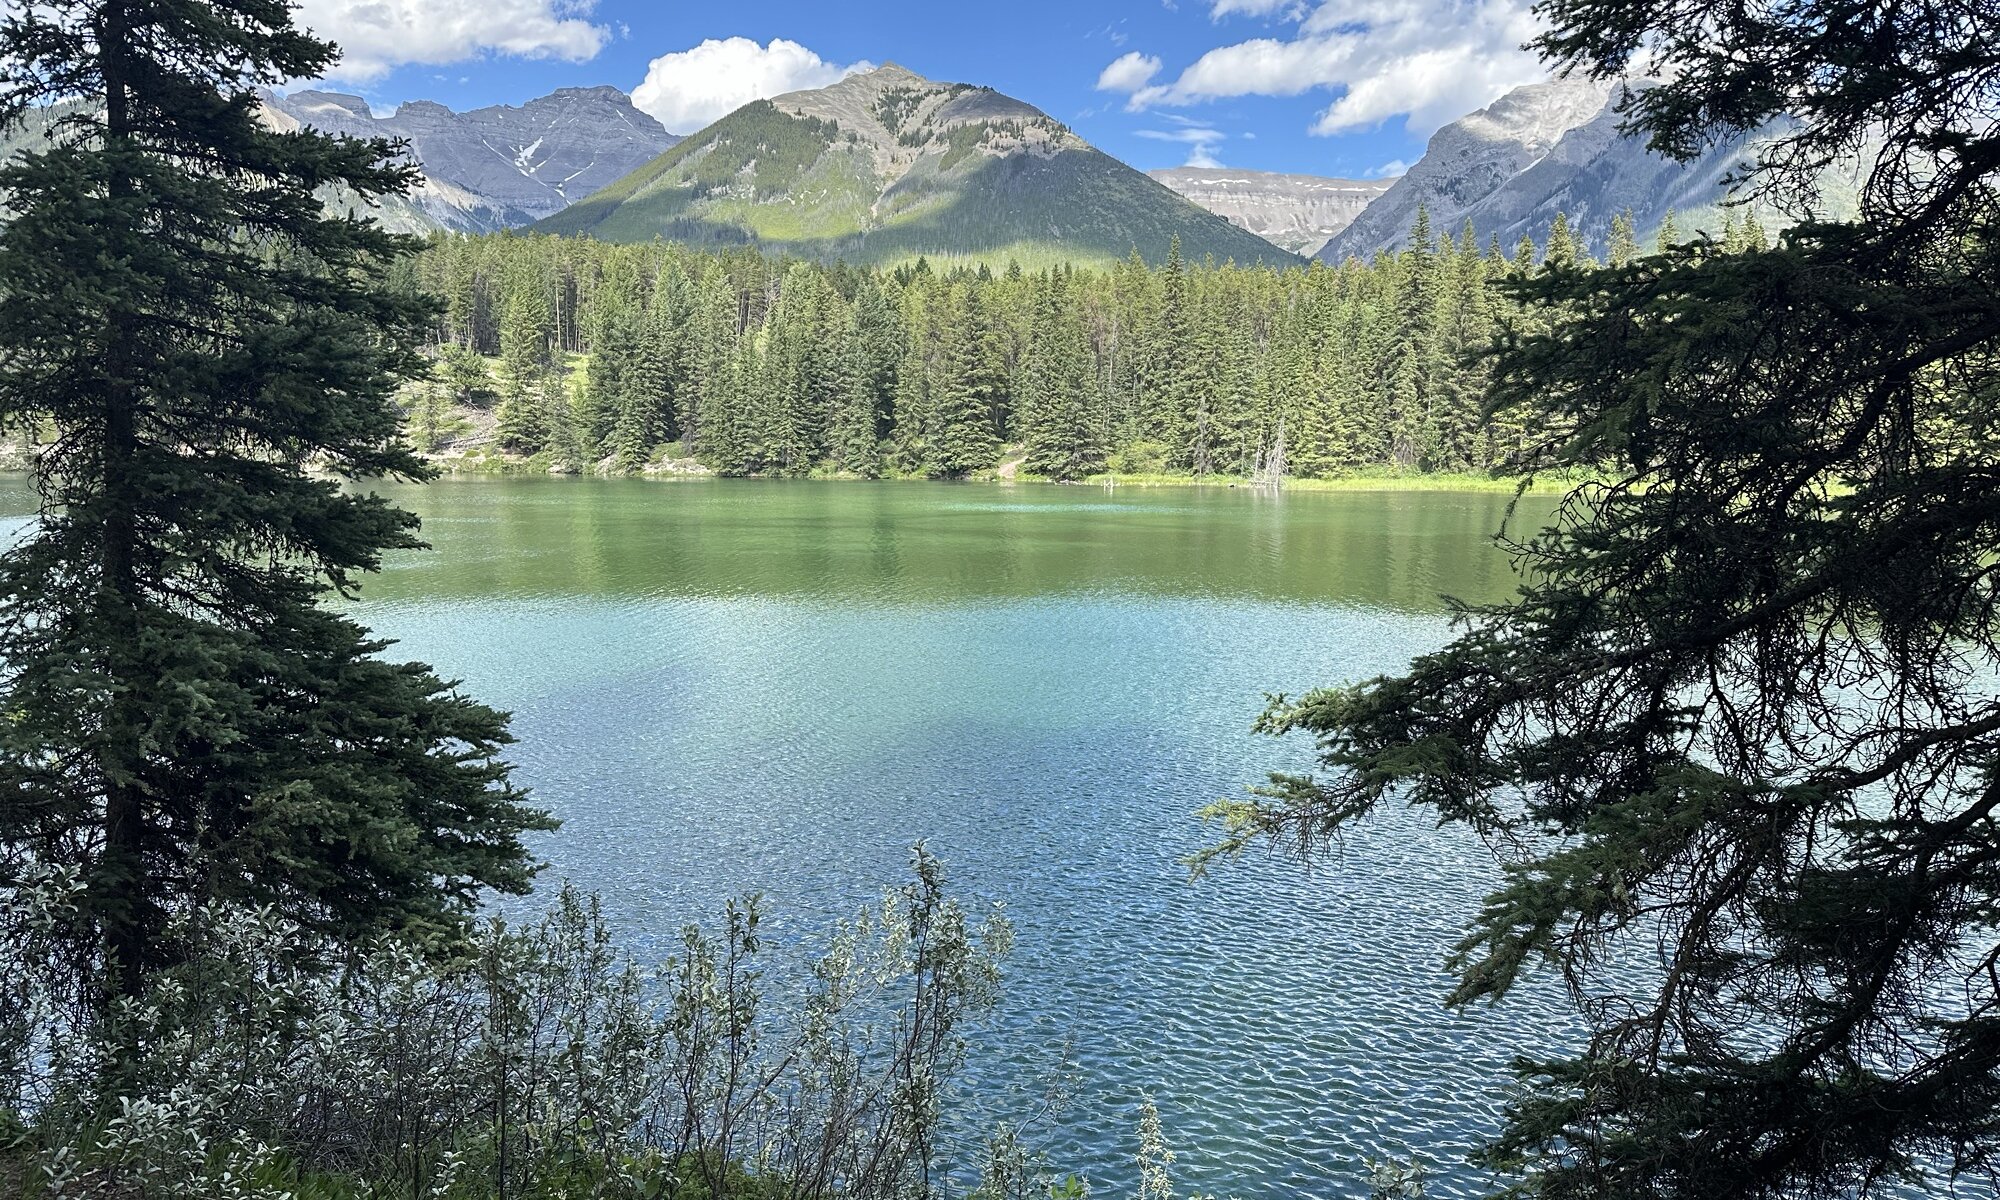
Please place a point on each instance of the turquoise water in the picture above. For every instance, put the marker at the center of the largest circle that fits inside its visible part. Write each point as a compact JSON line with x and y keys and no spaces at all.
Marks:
{"x":739,"y":686}
{"x":731,"y":686}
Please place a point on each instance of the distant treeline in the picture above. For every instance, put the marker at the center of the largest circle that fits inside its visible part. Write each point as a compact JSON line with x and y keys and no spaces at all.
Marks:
{"x":762,"y":366}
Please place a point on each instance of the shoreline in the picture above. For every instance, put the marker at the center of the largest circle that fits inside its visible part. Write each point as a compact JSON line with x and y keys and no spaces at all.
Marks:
{"x":456,"y":467}
{"x":465,"y":467}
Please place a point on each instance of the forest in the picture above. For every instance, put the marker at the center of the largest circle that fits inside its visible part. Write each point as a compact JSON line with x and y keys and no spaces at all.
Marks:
{"x":587,"y":356}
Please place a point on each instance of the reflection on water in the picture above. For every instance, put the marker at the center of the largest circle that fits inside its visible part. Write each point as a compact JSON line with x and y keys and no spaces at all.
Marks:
{"x":903,"y":543}
{"x":731,"y":686}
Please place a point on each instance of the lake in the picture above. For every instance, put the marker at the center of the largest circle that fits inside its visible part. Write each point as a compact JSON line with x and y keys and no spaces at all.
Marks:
{"x":730,"y":686}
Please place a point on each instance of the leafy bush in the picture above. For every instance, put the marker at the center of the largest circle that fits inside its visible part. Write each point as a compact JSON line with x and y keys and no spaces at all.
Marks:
{"x":538,"y":1060}
{"x":1140,"y":458}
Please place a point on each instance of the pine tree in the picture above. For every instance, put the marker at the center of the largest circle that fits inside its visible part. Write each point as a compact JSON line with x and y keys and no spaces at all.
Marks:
{"x":649,"y":406}
{"x":523,"y":425}
{"x":710,"y":413}
{"x":1413,"y":364}
{"x":1524,"y":256}
{"x":1669,"y":234}
{"x":852,"y":437}
{"x":186,"y":720}
{"x":1168,"y":399}
{"x":1561,"y":252}
{"x":1738,"y":733}
{"x":614,"y":354}
{"x":969,"y":391}
{"x":464,"y":375}
{"x":1059,"y":402}
{"x":1624,"y":240}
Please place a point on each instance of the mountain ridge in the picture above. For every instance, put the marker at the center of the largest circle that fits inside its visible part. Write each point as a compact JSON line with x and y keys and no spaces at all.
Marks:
{"x":496,"y":167}
{"x":1295,"y":212}
{"x":1552,"y":149}
{"x":886,"y":166}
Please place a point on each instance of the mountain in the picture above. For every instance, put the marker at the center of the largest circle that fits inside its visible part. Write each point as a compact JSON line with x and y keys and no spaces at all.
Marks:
{"x":1552,"y":148}
{"x":886,"y":166}
{"x":498,"y":167}
{"x":1470,"y":160}
{"x":1297,"y":212}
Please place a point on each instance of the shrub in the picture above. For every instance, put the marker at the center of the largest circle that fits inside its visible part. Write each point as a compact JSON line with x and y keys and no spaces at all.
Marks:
{"x":537,"y":1060}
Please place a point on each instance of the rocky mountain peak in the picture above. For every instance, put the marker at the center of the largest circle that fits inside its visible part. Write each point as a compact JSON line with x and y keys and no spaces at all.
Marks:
{"x":1556,"y":148}
{"x":602,"y":93}
{"x":887,"y":164}
{"x":500,"y":166}
{"x":1471,"y":159}
{"x":1534,"y":117}
{"x":892,"y":73}
{"x":317,"y":100}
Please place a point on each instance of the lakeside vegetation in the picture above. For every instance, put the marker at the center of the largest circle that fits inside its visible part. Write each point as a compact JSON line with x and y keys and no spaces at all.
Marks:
{"x":581,"y":356}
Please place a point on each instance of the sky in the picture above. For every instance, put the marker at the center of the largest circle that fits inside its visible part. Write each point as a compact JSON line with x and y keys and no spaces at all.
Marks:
{"x":1345,"y":88}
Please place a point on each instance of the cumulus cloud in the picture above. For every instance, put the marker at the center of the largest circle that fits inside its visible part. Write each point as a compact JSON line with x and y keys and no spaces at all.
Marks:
{"x":377,"y":36}
{"x":1200,"y":140}
{"x":1128,"y":73}
{"x":690,"y":88}
{"x":1427,"y":61}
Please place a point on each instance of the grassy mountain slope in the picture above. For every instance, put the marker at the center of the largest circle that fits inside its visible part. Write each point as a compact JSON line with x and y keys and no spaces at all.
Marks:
{"x":887,"y":166}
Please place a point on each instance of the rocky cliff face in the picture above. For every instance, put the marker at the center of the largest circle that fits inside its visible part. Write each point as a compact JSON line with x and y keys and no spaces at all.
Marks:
{"x":499,"y":167}
{"x":1299,"y":213}
{"x":1471,"y":159}
{"x":1554,"y":148}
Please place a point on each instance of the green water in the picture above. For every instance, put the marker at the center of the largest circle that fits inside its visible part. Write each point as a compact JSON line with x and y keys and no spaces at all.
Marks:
{"x":728,"y":686}
{"x":904,"y":543}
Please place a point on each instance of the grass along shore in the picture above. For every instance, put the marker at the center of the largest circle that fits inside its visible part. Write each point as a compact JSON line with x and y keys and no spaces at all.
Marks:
{"x":485,"y":460}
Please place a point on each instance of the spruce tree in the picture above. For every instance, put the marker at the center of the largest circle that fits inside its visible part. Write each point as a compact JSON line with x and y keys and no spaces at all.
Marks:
{"x":1168,"y":396}
{"x":1524,"y":256}
{"x":852,"y":438}
{"x":1293,"y":394}
{"x":878,"y":328}
{"x":187,"y":720}
{"x":1562,"y":251}
{"x":464,"y":375}
{"x":710,"y":412}
{"x":968,"y":392}
{"x":649,"y":401}
{"x":614,"y":354}
{"x":1059,"y":401}
{"x":1413,"y":365}
{"x":1669,"y":234}
{"x":1624,"y":240}
{"x":523,"y":421}
{"x":1739,"y":735}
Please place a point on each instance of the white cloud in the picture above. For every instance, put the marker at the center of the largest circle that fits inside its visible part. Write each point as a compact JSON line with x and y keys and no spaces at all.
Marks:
{"x":1199,"y":139}
{"x":1394,"y":166}
{"x":690,"y":88}
{"x":377,"y":36}
{"x":1428,"y":61}
{"x":1128,"y":73}
{"x":1255,"y":8}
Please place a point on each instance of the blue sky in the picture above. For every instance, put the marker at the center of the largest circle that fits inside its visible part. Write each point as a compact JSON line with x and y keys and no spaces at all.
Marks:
{"x":1328,"y":87}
